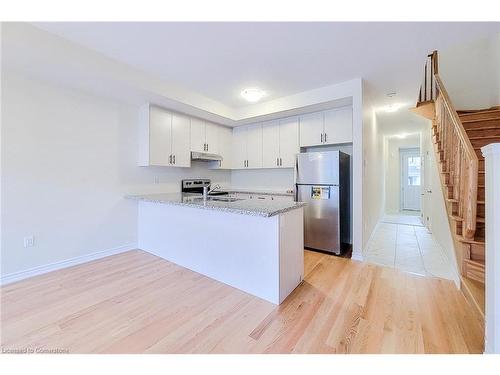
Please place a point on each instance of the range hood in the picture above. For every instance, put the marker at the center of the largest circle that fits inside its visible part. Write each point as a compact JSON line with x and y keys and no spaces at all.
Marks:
{"x":205,"y":156}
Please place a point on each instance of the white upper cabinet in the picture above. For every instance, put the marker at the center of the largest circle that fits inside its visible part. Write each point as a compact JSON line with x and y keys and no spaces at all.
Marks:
{"x":159,"y":126}
{"x":338,"y":126}
{"x":204,"y":136}
{"x":288,"y":142}
{"x":254,"y":146}
{"x":326,"y":128}
{"x":311,"y":129}
{"x":270,"y":144}
{"x":224,"y":149}
{"x":181,"y":130}
{"x":198,"y":135}
{"x":280,"y":143}
{"x":164,"y":138}
{"x":212,"y":137}
{"x":239,"y":154}
{"x":247,"y":146}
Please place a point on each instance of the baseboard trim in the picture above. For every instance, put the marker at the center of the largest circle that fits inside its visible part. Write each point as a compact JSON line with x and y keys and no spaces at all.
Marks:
{"x":40,"y":270}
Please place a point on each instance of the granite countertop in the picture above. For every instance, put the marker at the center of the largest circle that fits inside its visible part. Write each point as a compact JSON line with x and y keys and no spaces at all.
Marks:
{"x":255,"y":207}
{"x":288,"y":193}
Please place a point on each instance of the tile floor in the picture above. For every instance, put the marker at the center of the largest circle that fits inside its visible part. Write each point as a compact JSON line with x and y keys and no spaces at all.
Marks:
{"x":409,"y":248}
{"x":406,"y":218}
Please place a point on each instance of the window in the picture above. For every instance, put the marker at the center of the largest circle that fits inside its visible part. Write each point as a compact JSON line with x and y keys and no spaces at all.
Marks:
{"x":414,"y":171}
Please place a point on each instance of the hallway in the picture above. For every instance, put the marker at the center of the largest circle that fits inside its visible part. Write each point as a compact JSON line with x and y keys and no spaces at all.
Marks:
{"x":409,"y":248}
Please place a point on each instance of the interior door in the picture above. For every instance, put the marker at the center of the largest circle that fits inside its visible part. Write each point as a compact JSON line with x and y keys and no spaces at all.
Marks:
{"x":181,"y":132}
{"x":289,"y":142}
{"x":411,"y":179}
{"x":270,"y":144}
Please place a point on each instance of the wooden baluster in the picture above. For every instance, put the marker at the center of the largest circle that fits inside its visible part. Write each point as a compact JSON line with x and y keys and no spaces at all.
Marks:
{"x":458,"y":160}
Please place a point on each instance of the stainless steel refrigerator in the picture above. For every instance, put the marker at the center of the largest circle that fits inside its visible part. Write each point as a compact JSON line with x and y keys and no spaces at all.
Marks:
{"x":322,"y":181}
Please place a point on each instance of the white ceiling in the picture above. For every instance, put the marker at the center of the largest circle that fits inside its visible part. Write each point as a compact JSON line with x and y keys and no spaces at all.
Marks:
{"x":218,"y":60}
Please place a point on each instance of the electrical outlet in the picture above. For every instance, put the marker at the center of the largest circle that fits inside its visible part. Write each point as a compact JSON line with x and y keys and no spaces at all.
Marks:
{"x":157,"y":180}
{"x":29,"y":241}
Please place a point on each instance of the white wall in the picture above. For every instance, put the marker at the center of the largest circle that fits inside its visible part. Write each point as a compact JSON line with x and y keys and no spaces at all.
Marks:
{"x":393,"y":170}
{"x":263,"y":179}
{"x":470,"y":73}
{"x":68,"y":158}
{"x":434,"y":207}
{"x":373,"y":172}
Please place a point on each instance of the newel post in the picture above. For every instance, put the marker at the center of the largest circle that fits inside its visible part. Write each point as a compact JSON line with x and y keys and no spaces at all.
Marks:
{"x":491,"y":155}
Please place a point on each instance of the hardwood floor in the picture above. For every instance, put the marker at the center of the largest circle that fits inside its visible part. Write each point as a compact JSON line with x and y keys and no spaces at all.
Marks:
{"x":137,"y":303}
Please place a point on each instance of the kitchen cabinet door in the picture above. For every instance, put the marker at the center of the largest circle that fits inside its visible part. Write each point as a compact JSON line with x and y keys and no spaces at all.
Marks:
{"x":289,"y":142}
{"x":311,"y":129}
{"x":270,"y":144}
{"x":225,"y":149}
{"x":212,"y":137}
{"x":197,"y":135}
{"x":239,"y":153}
{"x":181,"y":134}
{"x":254,"y":146}
{"x":160,"y":136}
{"x":338,"y":125}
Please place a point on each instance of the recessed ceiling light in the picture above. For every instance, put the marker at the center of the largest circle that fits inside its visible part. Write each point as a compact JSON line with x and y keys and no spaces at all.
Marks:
{"x":392,"y":107}
{"x":253,"y":94}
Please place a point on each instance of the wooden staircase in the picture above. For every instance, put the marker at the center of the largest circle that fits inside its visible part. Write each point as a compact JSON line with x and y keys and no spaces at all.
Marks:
{"x":458,"y":137}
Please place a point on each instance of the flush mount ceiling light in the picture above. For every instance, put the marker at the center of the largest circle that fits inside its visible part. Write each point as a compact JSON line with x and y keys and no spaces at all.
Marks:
{"x":253,"y":95}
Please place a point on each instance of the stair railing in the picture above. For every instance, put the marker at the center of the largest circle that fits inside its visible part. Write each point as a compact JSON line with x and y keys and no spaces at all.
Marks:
{"x":458,"y":155}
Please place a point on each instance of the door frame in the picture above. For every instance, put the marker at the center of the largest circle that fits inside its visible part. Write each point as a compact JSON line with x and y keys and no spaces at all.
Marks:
{"x":402,"y":152}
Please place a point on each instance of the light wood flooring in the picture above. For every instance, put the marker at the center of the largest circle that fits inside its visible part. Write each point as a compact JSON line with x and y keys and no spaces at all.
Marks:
{"x":135,"y":303}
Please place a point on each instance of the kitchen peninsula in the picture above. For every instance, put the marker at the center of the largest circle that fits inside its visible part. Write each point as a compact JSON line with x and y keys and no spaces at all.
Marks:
{"x":256,"y":246}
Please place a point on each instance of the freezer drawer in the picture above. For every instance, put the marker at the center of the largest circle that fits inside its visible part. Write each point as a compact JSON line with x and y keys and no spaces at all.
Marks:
{"x":321,"y":216}
{"x":318,"y":168}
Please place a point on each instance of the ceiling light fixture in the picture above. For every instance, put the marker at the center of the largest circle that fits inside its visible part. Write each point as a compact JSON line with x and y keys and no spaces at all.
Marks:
{"x":253,"y":94}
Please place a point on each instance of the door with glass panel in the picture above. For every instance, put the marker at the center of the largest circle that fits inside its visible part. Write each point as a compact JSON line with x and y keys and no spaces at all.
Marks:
{"x":410,"y":179}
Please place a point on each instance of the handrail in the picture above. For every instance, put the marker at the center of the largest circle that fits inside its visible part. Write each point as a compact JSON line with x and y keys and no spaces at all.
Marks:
{"x":459,"y":156}
{"x":455,"y":119}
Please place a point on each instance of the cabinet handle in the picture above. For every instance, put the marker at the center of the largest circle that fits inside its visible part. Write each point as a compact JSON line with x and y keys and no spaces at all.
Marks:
{"x":325,"y":137}
{"x":281,"y":162}
{"x":321,"y":137}
{"x":170,"y":159}
{"x":174,"y":159}
{"x":207,"y":146}
{"x":277,"y":161}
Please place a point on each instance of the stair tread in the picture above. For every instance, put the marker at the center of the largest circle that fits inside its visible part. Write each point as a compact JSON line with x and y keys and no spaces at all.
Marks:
{"x":487,"y":127}
{"x":485,"y":137}
{"x":476,"y":262}
{"x":480,"y":219}
{"x":474,"y":241}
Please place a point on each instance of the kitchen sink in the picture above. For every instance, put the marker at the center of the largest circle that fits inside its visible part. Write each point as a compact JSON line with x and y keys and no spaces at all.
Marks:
{"x":222,"y":199}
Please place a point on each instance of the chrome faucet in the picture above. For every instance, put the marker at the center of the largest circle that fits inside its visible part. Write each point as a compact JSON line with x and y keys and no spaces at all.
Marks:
{"x":206,"y":191}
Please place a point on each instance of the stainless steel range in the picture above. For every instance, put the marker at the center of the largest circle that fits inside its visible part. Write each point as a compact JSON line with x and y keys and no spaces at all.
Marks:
{"x":195,"y":186}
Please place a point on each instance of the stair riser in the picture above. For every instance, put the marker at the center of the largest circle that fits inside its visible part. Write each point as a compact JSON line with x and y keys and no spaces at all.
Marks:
{"x":484,"y":132}
{"x":480,"y":209}
{"x":476,"y":252}
{"x":480,"y":123}
{"x":484,"y":142}
{"x":474,"y":272}
{"x":480,"y":178}
{"x":479,"y":115}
